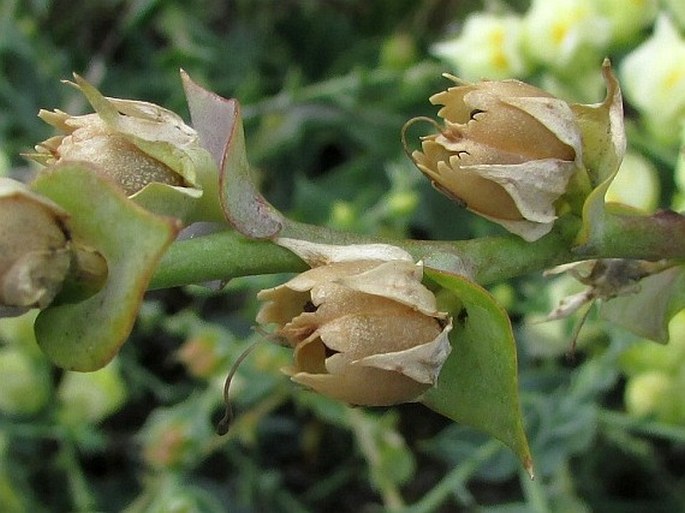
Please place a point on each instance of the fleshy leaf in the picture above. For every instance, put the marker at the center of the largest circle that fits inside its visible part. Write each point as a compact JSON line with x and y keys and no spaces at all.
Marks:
{"x":86,"y":335}
{"x":647,"y":312}
{"x":478,"y":383}
{"x":218,"y":122}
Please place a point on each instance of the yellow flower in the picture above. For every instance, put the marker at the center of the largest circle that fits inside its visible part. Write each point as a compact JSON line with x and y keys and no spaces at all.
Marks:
{"x":489,"y":45}
{"x":654,"y":81}
{"x":34,"y":247}
{"x":566,"y":35}
{"x":507,"y":151}
{"x":363,"y":328}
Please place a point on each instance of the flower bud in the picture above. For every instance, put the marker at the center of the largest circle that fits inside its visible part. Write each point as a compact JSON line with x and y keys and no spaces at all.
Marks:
{"x":135,"y":143}
{"x":507,"y":151}
{"x":34,"y":254}
{"x":363,"y":328}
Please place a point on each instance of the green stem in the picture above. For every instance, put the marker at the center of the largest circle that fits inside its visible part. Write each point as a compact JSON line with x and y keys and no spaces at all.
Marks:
{"x":225,"y":255}
{"x":492,"y":259}
{"x":339,"y":87}
{"x":363,"y":430}
{"x":82,"y":498}
{"x":654,"y":237}
{"x":221,"y":256}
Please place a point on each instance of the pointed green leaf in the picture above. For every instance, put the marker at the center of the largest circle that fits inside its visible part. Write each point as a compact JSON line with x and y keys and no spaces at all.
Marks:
{"x":478,"y":382}
{"x":86,"y":335}
{"x":220,"y":127}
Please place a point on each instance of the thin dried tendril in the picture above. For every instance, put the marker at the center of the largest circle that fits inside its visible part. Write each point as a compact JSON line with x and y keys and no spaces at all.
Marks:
{"x":224,"y":424}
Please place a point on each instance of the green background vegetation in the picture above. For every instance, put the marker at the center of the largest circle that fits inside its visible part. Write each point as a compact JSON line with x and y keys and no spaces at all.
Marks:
{"x":325,"y":87}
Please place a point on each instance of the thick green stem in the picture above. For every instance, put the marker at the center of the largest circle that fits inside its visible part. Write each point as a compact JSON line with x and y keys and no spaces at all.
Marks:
{"x":226,"y":255}
{"x":491,"y":259}
{"x":655,"y":237}
{"x":221,"y":256}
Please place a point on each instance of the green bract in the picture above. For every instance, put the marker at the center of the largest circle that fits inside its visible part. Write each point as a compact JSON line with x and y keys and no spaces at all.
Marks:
{"x":87,"y":334}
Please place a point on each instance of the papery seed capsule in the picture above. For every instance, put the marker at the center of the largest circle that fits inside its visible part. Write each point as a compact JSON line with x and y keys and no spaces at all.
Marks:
{"x":507,"y":151}
{"x":363,"y":328}
{"x":34,"y":254}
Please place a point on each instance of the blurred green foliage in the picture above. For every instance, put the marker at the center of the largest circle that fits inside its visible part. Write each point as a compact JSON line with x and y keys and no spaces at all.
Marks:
{"x":325,"y":87}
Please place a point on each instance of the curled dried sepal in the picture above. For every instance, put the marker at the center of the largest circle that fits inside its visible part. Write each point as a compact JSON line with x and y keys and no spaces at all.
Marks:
{"x":606,"y":278}
{"x":638,"y":295}
{"x":140,"y":146}
{"x":363,"y":328}
{"x":34,"y":247}
{"x":317,"y":255}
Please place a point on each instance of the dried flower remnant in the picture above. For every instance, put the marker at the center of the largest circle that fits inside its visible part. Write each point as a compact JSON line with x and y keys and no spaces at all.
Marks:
{"x":363,"y":327}
{"x":34,"y":247}
{"x":608,"y":279}
{"x":136,"y":144}
{"x":507,"y":151}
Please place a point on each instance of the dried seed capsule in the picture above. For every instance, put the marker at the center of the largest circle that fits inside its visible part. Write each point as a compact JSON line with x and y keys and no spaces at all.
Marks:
{"x":363,"y":327}
{"x":34,"y":254}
